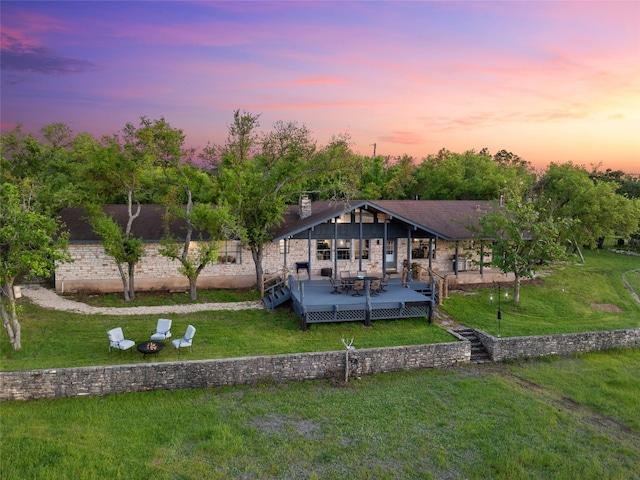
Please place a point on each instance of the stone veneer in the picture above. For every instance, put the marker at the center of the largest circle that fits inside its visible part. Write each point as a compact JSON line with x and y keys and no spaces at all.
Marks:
{"x":105,"y":380}
{"x":92,"y":270}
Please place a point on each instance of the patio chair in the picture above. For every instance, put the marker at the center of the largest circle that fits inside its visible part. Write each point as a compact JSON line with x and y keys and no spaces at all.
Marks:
{"x":187,"y":341}
{"x":375,"y":287}
{"x":163,"y":329}
{"x":358,"y":287}
{"x":385,"y":283}
{"x":117,"y":340}
{"x":336,"y":286}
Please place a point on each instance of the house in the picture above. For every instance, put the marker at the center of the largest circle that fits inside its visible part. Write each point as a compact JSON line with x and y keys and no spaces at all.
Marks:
{"x":315,"y":239}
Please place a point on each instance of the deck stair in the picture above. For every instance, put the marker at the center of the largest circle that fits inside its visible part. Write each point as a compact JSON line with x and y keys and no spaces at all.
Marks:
{"x":277,"y":297}
{"x":479,"y":354}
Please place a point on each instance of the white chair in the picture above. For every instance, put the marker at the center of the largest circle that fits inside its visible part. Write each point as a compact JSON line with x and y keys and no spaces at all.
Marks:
{"x":187,"y":341}
{"x":163,"y":330}
{"x":117,"y":340}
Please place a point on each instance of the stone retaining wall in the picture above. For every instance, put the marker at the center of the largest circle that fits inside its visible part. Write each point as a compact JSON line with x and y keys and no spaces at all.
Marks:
{"x":514,"y":348}
{"x":105,"y":380}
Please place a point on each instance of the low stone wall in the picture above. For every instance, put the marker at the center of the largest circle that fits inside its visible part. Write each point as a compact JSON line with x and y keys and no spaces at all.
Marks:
{"x":514,"y":348}
{"x":105,"y":380}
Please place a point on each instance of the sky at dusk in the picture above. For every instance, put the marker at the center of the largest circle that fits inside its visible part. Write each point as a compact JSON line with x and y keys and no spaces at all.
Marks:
{"x":547,"y":80}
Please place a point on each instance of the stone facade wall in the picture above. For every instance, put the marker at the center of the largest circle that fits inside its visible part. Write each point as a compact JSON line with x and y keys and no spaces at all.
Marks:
{"x":105,"y":380}
{"x":94,"y":271}
{"x":514,"y":348}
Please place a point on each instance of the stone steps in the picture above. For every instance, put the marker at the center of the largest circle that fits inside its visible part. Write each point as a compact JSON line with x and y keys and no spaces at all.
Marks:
{"x":479,"y":354}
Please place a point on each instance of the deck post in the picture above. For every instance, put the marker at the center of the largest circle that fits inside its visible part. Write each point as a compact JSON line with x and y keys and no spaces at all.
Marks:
{"x":367,"y":308}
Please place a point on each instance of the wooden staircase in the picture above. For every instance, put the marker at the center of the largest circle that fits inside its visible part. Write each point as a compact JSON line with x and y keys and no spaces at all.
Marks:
{"x":277,"y":297}
{"x":479,"y":354}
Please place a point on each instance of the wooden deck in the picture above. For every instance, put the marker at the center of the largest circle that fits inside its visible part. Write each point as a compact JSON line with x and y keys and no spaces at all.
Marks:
{"x":314,"y":302}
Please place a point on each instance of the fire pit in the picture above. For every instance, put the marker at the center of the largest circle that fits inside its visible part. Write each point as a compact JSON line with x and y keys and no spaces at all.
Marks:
{"x":149,"y":347}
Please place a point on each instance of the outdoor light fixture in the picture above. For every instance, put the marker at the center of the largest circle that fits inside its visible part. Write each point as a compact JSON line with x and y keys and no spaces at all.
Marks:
{"x":499,"y":311}
{"x":491,"y":298}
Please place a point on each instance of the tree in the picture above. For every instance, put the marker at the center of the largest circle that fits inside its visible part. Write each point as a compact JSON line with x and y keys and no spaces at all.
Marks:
{"x":259,"y":174}
{"x":471,"y":176}
{"x":523,"y":240}
{"x":27,"y":247}
{"x":596,"y":211}
{"x":164,"y":147}
{"x":118,"y":170}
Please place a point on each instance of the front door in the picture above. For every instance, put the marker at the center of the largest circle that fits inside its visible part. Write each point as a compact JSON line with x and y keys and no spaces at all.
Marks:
{"x":390,"y":256}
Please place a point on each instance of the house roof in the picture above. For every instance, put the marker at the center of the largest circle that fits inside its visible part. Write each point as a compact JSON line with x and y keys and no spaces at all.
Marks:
{"x":148,"y":226}
{"x":447,"y":219}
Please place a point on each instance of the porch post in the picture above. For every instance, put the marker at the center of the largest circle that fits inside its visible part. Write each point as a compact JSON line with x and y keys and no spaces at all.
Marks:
{"x":384,"y":249}
{"x":409,"y":252}
{"x":360,"y":241}
{"x":335,"y":247}
{"x":455,"y":260}
{"x":285,"y":251}
{"x":309,"y":254}
{"x":430,"y":252}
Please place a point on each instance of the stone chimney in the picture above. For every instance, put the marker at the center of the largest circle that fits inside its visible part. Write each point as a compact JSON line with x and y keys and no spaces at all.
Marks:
{"x":305,"y":207}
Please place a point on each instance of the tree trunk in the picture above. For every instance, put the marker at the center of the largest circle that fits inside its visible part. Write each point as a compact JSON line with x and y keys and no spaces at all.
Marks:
{"x":257,"y":254}
{"x":579,"y":251}
{"x":132,"y":289}
{"x":516,"y":288}
{"x":10,"y":316}
{"x":125,"y":287}
{"x":193,"y":288}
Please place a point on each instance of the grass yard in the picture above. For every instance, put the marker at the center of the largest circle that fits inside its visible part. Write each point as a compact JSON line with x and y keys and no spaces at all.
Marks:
{"x":53,"y":339}
{"x":574,"y":298}
{"x":557,"y":418}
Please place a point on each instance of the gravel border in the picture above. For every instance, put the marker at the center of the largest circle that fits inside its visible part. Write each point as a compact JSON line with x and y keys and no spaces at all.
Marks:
{"x":47,"y":298}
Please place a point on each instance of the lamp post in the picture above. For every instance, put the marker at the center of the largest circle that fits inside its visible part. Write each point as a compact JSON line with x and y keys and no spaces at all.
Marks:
{"x":499,"y":311}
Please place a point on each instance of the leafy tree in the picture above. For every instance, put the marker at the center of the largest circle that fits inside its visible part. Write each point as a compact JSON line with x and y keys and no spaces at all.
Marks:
{"x":259,"y":174}
{"x":164,"y":147}
{"x":596,"y":211}
{"x":470,"y":176}
{"x":27,"y":248}
{"x":523,"y":239}
{"x":48,"y":164}
{"x":119,"y":170}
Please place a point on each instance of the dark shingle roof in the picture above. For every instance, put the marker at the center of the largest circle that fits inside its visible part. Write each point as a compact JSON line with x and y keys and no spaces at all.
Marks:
{"x":148,"y":226}
{"x":443,"y":218}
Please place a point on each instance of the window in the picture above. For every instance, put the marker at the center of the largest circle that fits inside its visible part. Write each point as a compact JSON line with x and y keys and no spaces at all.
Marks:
{"x":345,"y":218}
{"x":343,"y":250}
{"x":282,"y":244}
{"x":367,"y":217}
{"x":420,"y":248}
{"x":365,"y":249}
{"x":229,"y":251}
{"x":323,"y":249}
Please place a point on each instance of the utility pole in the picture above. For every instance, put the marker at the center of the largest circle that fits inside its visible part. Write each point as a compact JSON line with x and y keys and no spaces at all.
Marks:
{"x":374,"y":150}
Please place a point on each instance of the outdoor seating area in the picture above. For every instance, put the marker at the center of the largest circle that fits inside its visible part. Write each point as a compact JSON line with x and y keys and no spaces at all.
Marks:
{"x":162,"y":332}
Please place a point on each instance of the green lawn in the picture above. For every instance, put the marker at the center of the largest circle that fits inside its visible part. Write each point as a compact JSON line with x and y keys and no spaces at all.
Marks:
{"x":563,"y":303}
{"x":571,"y":299}
{"x":53,"y":339}
{"x":557,"y":418}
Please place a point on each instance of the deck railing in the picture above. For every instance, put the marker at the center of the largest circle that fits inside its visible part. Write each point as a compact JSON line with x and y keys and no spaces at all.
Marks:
{"x":426,"y":274}
{"x":271,"y":282}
